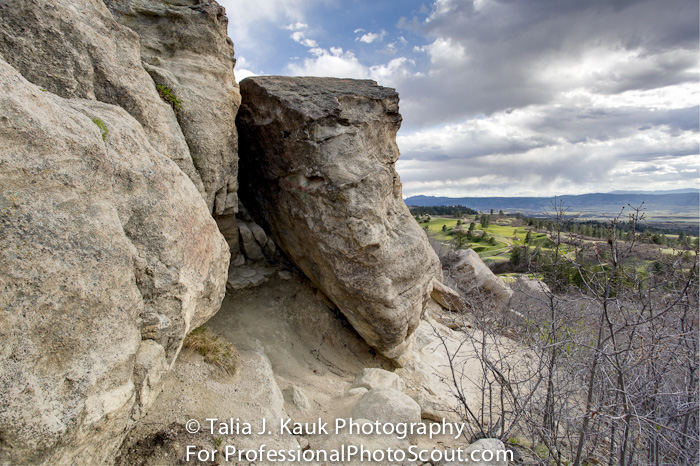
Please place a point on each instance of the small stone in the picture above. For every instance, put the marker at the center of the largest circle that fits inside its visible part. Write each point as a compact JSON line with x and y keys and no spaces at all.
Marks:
{"x":387,"y":405}
{"x":270,"y":249}
{"x":357,"y":391}
{"x":238,"y":261}
{"x":258,"y":233}
{"x":258,"y":280}
{"x":246,"y":272}
{"x":371,"y":378}
{"x":299,"y":399}
{"x":250,"y":246}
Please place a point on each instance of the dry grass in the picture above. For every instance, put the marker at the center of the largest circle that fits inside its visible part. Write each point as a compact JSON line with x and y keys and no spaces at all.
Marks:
{"x":215,"y":351}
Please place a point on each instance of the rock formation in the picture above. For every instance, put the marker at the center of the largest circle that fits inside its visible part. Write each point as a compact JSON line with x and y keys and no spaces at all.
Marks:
{"x":118,"y":177}
{"x":319,"y":157}
{"x":448,"y":298}
{"x":75,"y":49}
{"x":473,"y":278}
{"x":185,"y":49}
{"x":108,"y":252}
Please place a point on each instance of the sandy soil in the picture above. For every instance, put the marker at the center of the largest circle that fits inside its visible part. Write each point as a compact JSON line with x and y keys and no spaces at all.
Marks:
{"x":298,"y":359}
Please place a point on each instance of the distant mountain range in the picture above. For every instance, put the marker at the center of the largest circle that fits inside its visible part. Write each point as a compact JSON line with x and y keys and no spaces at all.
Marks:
{"x":669,"y":191}
{"x":682,"y":205}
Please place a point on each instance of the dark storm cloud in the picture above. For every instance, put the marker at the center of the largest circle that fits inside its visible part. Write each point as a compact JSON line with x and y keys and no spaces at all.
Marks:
{"x":511,"y":49}
{"x":554,"y":97}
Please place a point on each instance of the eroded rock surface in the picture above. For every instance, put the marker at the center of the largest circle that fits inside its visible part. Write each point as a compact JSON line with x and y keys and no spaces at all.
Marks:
{"x":75,"y":49}
{"x":448,"y":298}
{"x":108,"y":257}
{"x":319,"y":157}
{"x":474,"y":279}
{"x":185,"y":48}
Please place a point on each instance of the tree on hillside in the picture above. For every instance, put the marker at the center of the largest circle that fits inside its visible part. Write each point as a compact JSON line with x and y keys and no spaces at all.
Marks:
{"x":460,"y":238}
{"x":485,"y":221}
{"x":528,"y":237}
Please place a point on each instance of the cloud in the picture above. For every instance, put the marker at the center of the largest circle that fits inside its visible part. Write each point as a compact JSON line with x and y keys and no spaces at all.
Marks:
{"x":246,"y":19}
{"x":521,"y":153}
{"x":370,"y":37}
{"x":299,"y":37}
{"x":333,"y":63}
{"x":298,"y":26}
{"x":445,"y":53}
{"x":242,"y":70}
{"x":549,"y":97}
{"x":489,"y":55}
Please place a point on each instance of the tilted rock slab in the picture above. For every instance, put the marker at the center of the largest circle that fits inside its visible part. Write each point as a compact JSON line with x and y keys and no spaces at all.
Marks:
{"x":317,"y":155}
{"x":472,"y":277}
{"x":448,"y":298}
{"x":108,"y":257}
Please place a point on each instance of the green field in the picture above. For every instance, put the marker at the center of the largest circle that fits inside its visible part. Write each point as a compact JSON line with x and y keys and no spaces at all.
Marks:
{"x":505,"y":235}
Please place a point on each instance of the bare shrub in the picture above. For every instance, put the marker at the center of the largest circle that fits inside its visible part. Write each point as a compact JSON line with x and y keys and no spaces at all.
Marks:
{"x":600,"y":366}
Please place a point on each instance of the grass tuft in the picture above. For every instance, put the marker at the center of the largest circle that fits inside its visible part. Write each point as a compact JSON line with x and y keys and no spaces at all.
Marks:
{"x":169,"y":97}
{"x":101,"y":124}
{"x":215,"y":351}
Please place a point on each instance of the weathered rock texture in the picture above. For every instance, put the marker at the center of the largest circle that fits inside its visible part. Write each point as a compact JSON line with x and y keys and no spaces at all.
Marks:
{"x":387,"y":405}
{"x":185,"y":48}
{"x":75,"y":49}
{"x":448,"y":298}
{"x":473,"y":278}
{"x":319,"y":157}
{"x":108,"y":254}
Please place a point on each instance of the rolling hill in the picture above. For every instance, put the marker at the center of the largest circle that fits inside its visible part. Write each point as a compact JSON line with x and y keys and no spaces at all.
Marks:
{"x":678,"y":207}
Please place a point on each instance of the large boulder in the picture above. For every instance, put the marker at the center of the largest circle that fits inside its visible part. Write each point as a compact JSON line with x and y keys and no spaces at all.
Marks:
{"x":388,"y":406}
{"x":108,"y":257}
{"x":75,"y":49}
{"x":473,"y":278}
{"x":318,"y":156}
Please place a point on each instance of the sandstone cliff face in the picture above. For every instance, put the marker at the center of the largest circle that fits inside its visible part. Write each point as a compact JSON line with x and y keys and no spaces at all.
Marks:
{"x":185,"y":48}
{"x":319,"y":157}
{"x":75,"y":48}
{"x":108,"y":252}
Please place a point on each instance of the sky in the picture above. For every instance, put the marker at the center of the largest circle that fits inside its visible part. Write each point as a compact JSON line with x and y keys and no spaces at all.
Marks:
{"x":505,"y":97}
